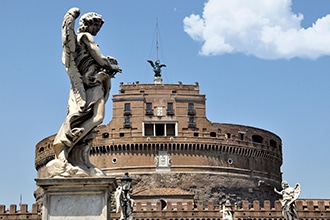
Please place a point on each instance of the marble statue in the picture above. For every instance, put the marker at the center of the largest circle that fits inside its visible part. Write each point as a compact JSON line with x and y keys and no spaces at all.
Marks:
{"x":124,"y":203}
{"x":226,"y":214}
{"x":90,"y":74}
{"x":289,"y":196}
{"x":156,"y":67}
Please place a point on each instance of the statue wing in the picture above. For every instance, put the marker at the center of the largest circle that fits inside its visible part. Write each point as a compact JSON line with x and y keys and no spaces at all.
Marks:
{"x":297,"y":190}
{"x":151,"y":63}
{"x":117,"y":198}
{"x":162,"y":65}
{"x":69,"y":37}
{"x":69,"y":43}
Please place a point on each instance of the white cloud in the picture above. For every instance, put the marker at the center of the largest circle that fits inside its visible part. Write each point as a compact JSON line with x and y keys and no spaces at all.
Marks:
{"x":267,"y":29}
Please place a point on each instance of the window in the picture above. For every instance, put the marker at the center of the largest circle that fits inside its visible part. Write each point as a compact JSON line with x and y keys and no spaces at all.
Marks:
{"x":148,"y":130}
{"x":170,"y":106}
{"x":159,"y":129}
{"x":191,"y":122}
{"x":191,"y":109}
{"x":170,"y":110}
{"x":149,"y":108}
{"x":105,"y":135}
{"x":257,"y":139}
{"x":127,"y":122}
{"x":241,"y":136}
{"x":190,"y":106}
{"x":127,"y":108}
{"x":272,"y":143}
{"x":170,"y":129}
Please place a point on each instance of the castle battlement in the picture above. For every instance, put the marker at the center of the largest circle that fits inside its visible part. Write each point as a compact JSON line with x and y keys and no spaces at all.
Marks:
{"x":307,"y":209}
{"x":23,"y":213}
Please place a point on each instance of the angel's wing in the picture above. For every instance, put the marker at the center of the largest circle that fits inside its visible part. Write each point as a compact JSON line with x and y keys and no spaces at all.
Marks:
{"x":69,"y":43}
{"x":297,"y":190}
{"x":117,"y":198}
{"x":151,"y":63}
{"x":69,"y":37}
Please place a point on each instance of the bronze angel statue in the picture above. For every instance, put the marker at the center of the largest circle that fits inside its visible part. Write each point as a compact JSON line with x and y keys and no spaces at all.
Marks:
{"x":156,"y":67}
{"x":90,"y":74}
{"x":289,"y":196}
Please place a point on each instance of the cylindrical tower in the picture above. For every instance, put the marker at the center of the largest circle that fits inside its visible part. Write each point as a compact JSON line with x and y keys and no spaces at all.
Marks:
{"x":160,"y":134}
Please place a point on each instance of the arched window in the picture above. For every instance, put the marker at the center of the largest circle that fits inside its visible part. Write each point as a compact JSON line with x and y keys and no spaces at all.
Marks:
{"x":163,"y":203}
{"x":257,"y":139}
{"x":272,"y":143}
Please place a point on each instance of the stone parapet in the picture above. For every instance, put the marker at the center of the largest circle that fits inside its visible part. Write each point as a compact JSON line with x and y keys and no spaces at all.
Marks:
{"x":307,"y":209}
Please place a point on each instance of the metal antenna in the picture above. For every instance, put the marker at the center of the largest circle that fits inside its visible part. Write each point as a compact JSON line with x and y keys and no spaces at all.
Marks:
{"x":157,"y":38}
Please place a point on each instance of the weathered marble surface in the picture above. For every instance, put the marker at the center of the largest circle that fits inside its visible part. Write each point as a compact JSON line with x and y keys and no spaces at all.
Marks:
{"x":77,"y":198}
{"x":290,"y":195}
{"x":90,"y":74}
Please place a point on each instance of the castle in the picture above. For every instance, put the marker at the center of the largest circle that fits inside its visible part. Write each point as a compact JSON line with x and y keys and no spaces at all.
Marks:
{"x":183,"y":165}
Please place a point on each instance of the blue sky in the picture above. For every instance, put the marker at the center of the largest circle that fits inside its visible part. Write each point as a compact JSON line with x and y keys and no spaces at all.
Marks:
{"x":263,"y":63}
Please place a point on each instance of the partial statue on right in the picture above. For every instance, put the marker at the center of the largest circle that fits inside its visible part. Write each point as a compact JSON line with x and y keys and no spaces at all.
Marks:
{"x":289,"y":196}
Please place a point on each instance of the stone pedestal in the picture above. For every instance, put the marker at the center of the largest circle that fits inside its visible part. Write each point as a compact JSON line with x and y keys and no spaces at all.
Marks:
{"x":77,"y":198}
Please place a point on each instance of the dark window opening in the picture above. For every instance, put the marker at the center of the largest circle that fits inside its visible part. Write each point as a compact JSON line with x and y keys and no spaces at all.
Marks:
{"x":257,"y":139}
{"x":148,"y":130}
{"x":121,"y":134}
{"x":170,"y":129}
{"x":272,"y":143}
{"x":127,"y":107}
{"x":105,"y":135}
{"x":195,"y":134}
{"x":163,"y":203}
{"x":170,"y":110}
{"x":191,"y":109}
{"x":191,"y":122}
{"x":241,"y":136}
{"x":170,"y":106}
{"x":213,"y":134}
{"x":127,"y":122}
{"x":228,"y":135}
{"x":149,"y":108}
{"x":160,"y":131}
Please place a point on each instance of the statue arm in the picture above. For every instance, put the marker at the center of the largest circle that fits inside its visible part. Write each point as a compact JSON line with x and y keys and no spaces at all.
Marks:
{"x":95,"y":51}
{"x":278,"y":192}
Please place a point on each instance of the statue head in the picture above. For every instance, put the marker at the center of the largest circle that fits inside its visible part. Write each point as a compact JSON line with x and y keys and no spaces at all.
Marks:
{"x":285,"y":184}
{"x":89,"y":20}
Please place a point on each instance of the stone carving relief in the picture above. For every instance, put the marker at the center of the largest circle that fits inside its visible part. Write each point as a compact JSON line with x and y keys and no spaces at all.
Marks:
{"x":163,"y":161}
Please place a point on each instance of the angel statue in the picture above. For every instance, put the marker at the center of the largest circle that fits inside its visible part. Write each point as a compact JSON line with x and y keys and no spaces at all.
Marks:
{"x":289,"y":195}
{"x":124,"y":202}
{"x":90,"y":74}
{"x":156,"y":67}
{"x":226,"y":213}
